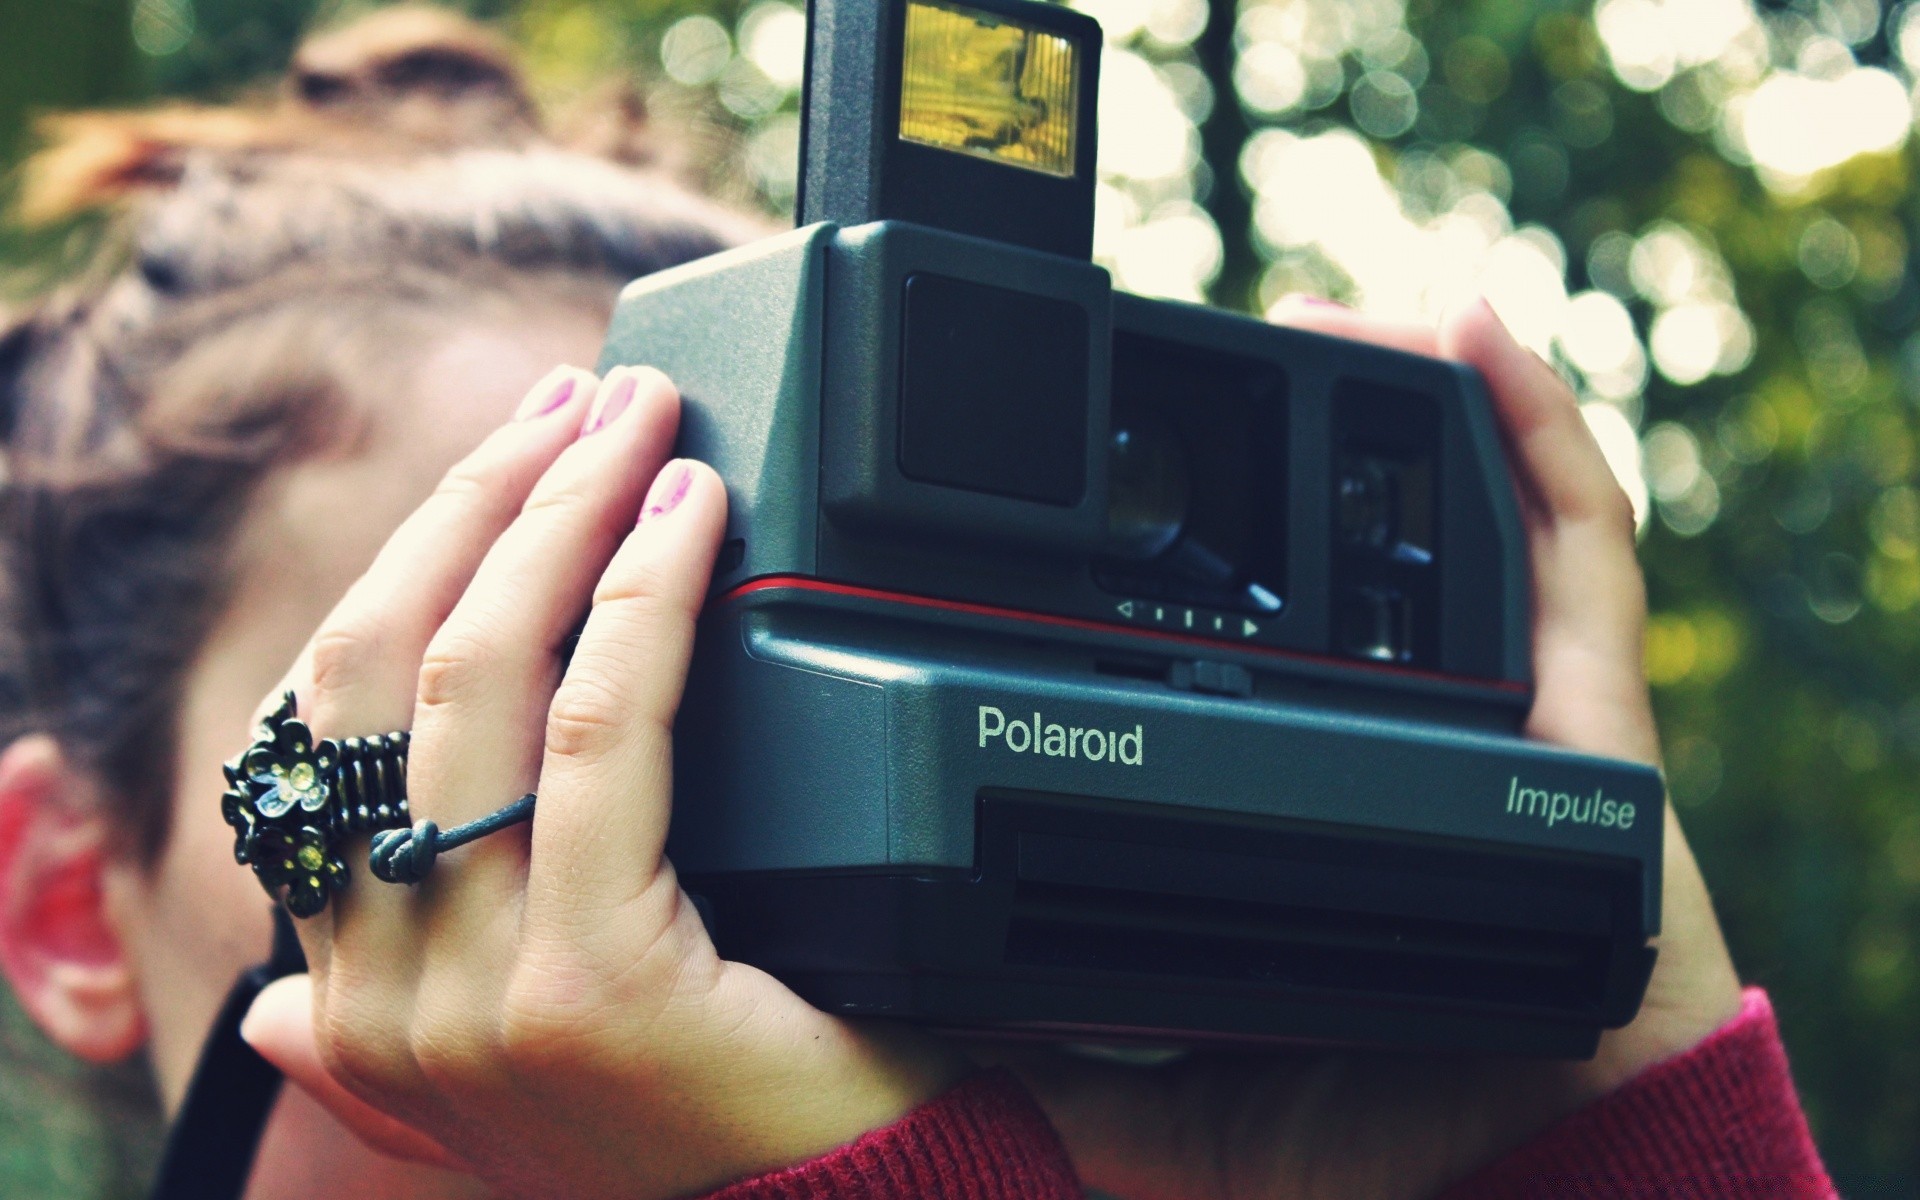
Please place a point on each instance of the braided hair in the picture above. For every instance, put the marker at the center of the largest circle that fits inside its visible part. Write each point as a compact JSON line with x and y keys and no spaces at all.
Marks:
{"x":261,"y":259}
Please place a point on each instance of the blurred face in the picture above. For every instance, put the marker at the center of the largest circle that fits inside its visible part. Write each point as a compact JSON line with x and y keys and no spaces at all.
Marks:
{"x":197,"y":919}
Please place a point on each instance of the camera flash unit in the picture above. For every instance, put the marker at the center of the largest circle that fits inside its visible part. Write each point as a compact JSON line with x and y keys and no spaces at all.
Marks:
{"x":984,"y":85}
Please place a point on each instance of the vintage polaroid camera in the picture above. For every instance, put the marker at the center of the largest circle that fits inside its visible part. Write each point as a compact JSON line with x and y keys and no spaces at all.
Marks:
{"x":1094,"y":667}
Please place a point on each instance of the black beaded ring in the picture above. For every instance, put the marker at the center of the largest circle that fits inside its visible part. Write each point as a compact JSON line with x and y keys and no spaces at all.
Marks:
{"x":292,"y":800}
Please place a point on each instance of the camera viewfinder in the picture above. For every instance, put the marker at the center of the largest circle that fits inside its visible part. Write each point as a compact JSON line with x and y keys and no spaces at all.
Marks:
{"x":1386,"y":528}
{"x":993,"y":390}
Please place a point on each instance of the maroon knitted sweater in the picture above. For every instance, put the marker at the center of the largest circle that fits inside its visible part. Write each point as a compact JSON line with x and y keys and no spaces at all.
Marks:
{"x":1719,"y":1121}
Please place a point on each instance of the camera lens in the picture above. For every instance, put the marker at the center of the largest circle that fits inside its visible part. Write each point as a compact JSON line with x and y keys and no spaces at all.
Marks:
{"x":1151,"y":488}
{"x":1197,"y":483}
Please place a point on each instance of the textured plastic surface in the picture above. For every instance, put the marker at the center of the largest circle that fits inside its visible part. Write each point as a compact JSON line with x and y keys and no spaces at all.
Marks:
{"x":740,"y":335}
{"x":910,"y":744}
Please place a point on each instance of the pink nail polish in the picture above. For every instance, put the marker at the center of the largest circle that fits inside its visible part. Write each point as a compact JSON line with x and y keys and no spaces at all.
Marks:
{"x":669,"y":488}
{"x":1323,"y":302}
{"x":611,"y":405}
{"x":539,"y":404}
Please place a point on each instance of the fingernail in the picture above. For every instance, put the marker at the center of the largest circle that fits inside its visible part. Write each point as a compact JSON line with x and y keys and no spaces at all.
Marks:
{"x":540,"y":402}
{"x":669,"y":488}
{"x":608,"y":406}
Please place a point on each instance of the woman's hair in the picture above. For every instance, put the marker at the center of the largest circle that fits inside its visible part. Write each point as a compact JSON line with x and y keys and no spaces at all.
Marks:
{"x":265,"y":260}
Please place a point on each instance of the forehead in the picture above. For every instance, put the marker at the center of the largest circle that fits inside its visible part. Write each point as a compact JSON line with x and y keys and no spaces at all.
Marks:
{"x":326,"y":516}
{"x":314,"y":526}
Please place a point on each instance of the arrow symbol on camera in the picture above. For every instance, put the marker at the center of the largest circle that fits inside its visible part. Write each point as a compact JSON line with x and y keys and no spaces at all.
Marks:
{"x":1126,"y":609}
{"x":1247,"y":627}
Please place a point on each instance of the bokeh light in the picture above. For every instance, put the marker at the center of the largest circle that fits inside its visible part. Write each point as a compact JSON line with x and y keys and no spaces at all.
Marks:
{"x":773,"y":37}
{"x":162,"y":27}
{"x":1794,"y":126}
{"x":1701,"y":212}
{"x":694,"y":50}
{"x":1149,"y":229}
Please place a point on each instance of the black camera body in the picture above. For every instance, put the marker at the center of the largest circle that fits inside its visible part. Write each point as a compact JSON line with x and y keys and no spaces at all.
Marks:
{"x":1082,"y":665}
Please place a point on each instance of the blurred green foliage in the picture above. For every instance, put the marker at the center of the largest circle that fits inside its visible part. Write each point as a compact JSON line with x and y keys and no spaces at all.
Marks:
{"x":1785,"y":644}
{"x":67,"y":1133}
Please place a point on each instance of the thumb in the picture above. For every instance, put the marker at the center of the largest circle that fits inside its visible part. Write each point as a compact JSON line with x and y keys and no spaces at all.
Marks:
{"x":279,"y":1027}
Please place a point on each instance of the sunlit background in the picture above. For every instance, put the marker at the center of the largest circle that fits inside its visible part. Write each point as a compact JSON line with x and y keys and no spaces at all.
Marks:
{"x":1701,"y":211}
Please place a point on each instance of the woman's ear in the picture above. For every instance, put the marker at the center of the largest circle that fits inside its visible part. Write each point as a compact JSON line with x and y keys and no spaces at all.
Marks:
{"x":58,"y":949}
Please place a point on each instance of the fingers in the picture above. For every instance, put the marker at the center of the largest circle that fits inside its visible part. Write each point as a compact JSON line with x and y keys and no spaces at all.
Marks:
{"x":279,"y":1027}
{"x":362,"y":673}
{"x":490,"y":671}
{"x":501,"y":1043}
{"x":363,"y":663}
{"x":1560,"y":464}
{"x":488,"y":677}
{"x":357,"y":674}
{"x":487,"y":674}
{"x":1589,"y":680}
{"x":607,"y":781}
{"x":1556,"y":458}
{"x":1589,"y":597}
{"x":1589,"y":600}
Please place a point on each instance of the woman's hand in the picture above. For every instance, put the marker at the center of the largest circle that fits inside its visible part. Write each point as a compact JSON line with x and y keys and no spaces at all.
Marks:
{"x":1381,"y":1126}
{"x":546,"y":1010}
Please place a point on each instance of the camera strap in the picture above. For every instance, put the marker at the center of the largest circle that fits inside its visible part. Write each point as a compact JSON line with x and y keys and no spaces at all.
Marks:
{"x":211,"y":1147}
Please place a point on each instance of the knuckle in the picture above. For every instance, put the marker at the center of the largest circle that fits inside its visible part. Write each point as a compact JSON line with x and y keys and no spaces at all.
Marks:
{"x":344,"y":652}
{"x":556,"y":502}
{"x":455,"y":667}
{"x":643,"y":590}
{"x":586,"y":719}
{"x":1605,"y":506}
{"x":1620,"y":510}
{"x":543,"y":1013}
{"x":527,"y":1031}
{"x":467,"y":482}
{"x":352,"y":1054}
{"x":446,"y":1051}
{"x":563,"y":1013}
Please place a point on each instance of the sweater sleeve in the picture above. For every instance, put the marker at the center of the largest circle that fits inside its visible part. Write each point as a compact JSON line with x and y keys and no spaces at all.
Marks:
{"x":984,"y":1140}
{"x":1720,"y":1120}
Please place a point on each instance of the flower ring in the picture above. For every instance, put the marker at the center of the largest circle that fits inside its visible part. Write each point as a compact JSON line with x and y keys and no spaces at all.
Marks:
{"x":292,"y":799}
